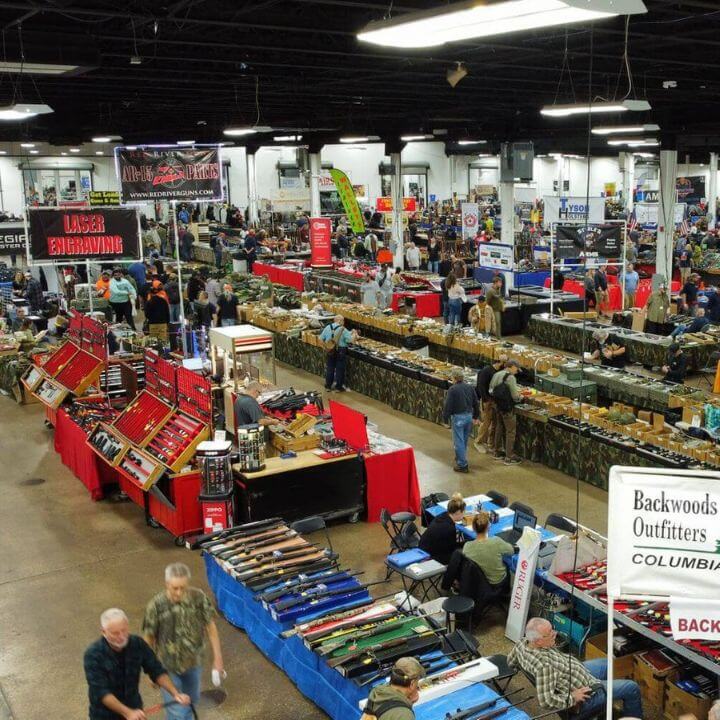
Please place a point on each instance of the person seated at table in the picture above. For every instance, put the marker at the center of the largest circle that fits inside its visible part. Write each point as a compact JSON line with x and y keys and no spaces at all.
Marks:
{"x":441,"y":537}
{"x":675,"y":368}
{"x":487,"y":553}
{"x":608,"y":349}
{"x":697,"y":324}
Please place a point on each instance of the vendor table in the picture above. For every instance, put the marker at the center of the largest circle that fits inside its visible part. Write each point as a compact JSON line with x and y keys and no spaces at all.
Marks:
{"x":577,"y":288}
{"x":75,"y":453}
{"x":536,"y":277}
{"x":280,"y":274}
{"x":301,"y":486}
{"x":427,"y":304}
{"x":391,"y":483}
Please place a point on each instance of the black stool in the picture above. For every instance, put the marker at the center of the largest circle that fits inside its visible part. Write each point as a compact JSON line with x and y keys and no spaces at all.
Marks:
{"x":458,"y":605}
{"x":399,"y":519}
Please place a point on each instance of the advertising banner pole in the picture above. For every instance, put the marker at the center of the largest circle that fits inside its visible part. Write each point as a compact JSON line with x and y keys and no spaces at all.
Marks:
{"x":610,"y":655}
{"x":173,"y":205}
{"x":552,"y":271}
{"x":90,"y":287}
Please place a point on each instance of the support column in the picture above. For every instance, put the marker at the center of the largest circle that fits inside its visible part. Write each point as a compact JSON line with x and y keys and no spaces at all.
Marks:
{"x":506,"y":193}
{"x":396,"y":188}
{"x":666,"y":213}
{"x":253,"y":214}
{"x":712,"y":190}
{"x":315,"y":210}
{"x":626,"y":164}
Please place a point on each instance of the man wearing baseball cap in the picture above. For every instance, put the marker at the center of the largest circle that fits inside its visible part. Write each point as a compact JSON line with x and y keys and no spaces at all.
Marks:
{"x":394,"y":700}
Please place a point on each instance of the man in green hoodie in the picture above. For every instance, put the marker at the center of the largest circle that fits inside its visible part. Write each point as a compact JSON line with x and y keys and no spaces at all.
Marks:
{"x":394,"y":700}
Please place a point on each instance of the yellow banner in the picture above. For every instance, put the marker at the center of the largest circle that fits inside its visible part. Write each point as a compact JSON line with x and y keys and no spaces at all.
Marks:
{"x":349,"y":201}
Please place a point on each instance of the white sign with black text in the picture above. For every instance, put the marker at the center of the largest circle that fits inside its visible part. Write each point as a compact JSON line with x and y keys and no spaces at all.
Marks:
{"x":664,"y":533}
{"x":573,"y":210}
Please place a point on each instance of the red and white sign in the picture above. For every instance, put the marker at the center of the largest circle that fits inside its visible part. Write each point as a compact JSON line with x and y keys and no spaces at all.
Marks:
{"x":320,"y":242}
{"x":470,"y":219}
{"x":694,"y":619}
{"x":385,"y":204}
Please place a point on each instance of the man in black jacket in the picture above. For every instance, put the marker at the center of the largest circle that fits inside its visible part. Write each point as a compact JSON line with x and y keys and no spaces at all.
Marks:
{"x":112,"y":669}
{"x":488,"y":415}
{"x":462,"y":411}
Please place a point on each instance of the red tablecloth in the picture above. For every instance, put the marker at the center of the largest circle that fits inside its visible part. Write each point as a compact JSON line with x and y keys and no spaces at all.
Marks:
{"x":70,"y":443}
{"x":280,"y":275}
{"x":427,"y":304}
{"x":392,"y":483}
{"x":577,"y":288}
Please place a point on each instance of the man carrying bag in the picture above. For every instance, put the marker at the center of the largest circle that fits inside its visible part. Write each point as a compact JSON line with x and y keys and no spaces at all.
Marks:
{"x":505,"y":395}
{"x":335,"y":339}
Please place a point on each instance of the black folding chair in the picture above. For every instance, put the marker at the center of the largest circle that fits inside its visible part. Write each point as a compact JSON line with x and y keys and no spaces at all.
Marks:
{"x":498,"y":498}
{"x":521,"y":507}
{"x":560,"y":522}
{"x":311,"y":524}
{"x":708,"y":372}
{"x":429,"y":501}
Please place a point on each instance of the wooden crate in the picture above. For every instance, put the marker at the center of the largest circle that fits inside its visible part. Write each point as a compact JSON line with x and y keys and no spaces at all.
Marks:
{"x":596,"y":647}
{"x":286,"y":443}
{"x":651,"y":680}
{"x":678,"y":702}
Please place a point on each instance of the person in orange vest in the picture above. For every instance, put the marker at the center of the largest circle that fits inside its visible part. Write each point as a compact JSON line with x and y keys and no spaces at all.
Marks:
{"x":155,"y":284}
{"x":102,"y":286}
{"x":384,"y":256}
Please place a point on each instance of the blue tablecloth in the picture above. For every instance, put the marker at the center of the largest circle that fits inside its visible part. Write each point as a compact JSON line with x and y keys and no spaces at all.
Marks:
{"x":336,"y":695}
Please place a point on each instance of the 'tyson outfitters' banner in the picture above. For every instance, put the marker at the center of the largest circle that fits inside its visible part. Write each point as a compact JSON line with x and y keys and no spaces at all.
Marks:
{"x":148,"y":174}
{"x":79,"y":235}
{"x":664,"y":533}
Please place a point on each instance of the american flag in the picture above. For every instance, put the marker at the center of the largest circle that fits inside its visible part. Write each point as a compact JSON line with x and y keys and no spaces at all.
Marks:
{"x":632,"y":221}
{"x":684,"y":227}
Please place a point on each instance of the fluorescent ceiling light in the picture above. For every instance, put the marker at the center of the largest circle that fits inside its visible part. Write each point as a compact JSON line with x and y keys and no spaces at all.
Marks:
{"x":23,"y":111}
{"x":472,"y":142}
{"x":98,"y":152}
{"x":634,"y":142}
{"x":287,"y":138}
{"x":611,"y":129}
{"x":75,"y":150}
{"x":29,"y":68}
{"x":27,"y":145}
{"x":106,"y":138}
{"x":185,"y":142}
{"x":465,"y":20}
{"x":412,"y":138}
{"x":237,"y":132}
{"x":63,"y":153}
{"x":354,"y":139}
{"x":34,"y":152}
{"x":599,"y":107}
{"x":3,"y":152}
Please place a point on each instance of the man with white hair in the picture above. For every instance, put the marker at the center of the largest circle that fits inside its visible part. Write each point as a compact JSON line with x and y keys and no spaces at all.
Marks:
{"x":176,"y":625}
{"x":563,"y":682}
{"x":112,"y":668}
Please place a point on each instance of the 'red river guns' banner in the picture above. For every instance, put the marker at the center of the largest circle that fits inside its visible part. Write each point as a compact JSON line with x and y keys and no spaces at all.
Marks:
{"x":147,"y":174}
{"x":67,"y":235}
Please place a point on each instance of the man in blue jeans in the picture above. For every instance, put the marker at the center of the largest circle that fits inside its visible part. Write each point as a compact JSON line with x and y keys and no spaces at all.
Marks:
{"x":563,"y":682}
{"x":336,"y":338}
{"x":462,"y":411}
{"x":176,"y":625}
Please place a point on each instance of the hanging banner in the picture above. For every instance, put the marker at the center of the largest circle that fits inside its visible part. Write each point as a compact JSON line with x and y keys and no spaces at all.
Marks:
{"x":495,"y":255}
{"x":691,"y":189}
{"x":573,"y":241}
{"x":647,"y":213}
{"x":470,"y":219}
{"x":385,"y":204}
{"x":529,"y":544}
{"x":573,"y":209}
{"x":320,"y":242}
{"x":12,"y":237}
{"x":77,"y":235}
{"x":104,"y":198}
{"x":694,"y":618}
{"x":610,"y":189}
{"x":169,"y":173}
{"x":349,"y":201}
{"x":664,"y":533}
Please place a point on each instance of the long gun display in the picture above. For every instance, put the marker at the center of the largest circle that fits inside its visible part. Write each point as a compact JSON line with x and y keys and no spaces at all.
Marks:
{"x":243,"y":546}
{"x":263,"y":583}
{"x":385,"y":668}
{"x":246,"y":528}
{"x":273,"y":573}
{"x":330,"y":646}
{"x":314,"y":597}
{"x":347,"y":629}
{"x":265,"y":563}
{"x":276,"y":549}
{"x":337,"y":620}
{"x":246,"y":540}
{"x":474,"y":713}
{"x":298,"y":585}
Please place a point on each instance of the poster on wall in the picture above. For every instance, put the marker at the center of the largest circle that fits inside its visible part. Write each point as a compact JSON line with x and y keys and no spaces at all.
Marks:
{"x":495,"y":255}
{"x":12,"y":238}
{"x":573,"y":241}
{"x":664,"y":532}
{"x":690,"y":190}
{"x":169,"y":173}
{"x":320,"y":242}
{"x":573,"y":209}
{"x":470,"y":220}
{"x":67,"y":235}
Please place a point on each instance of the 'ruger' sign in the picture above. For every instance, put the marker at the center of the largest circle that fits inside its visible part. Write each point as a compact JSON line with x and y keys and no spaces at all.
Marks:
{"x":147,"y":174}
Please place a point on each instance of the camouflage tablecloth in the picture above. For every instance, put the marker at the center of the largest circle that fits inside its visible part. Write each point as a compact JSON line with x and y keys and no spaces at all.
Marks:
{"x":648,"y":350}
{"x":12,"y":368}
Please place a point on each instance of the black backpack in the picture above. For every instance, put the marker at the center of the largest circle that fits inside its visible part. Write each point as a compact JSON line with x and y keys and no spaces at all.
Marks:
{"x":379,"y":709}
{"x":502,"y":396}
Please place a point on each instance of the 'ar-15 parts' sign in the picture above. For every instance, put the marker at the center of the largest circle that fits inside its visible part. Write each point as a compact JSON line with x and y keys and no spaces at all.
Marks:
{"x":147,"y":174}
{"x":75,"y":235}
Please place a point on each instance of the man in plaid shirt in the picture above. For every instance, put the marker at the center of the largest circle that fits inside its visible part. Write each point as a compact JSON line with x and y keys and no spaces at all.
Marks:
{"x":562,"y":681}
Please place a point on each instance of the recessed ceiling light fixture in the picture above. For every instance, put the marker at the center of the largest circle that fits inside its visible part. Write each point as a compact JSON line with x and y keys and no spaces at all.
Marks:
{"x":239,"y":131}
{"x":23,"y":111}
{"x":598,"y":107}
{"x":466,"y":20}
{"x":74,"y":150}
{"x":27,"y":145}
{"x":99,"y":152}
{"x":612,"y":129}
{"x":34,"y":152}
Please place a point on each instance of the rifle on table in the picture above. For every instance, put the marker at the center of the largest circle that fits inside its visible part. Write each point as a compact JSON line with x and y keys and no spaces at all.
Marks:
{"x":326,"y":625}
{"x":273,"y":573}
{"x":314,"y":597}
{"x":353,"y":636}
{"x":257,"y":541}
{"x":293,"y":586}
{"x":385,"y":668}
{"x":346,"y":630}
{"x":477,"y":712}
{"x":271,"y":563}
{"x":263,"y":583}
{"x":276,"y":550}
{"x":246,"y":528}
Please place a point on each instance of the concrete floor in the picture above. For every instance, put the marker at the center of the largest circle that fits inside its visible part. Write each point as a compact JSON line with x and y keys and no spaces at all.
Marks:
{"x":65,"y":559}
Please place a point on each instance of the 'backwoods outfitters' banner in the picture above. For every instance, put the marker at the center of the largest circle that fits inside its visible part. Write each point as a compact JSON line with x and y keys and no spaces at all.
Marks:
{"x":78,"y":235}
{"x":147,"y":174}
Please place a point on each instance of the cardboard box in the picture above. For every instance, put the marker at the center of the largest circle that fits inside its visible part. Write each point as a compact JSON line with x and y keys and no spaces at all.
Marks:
{"x":638,"y":319}
{"x":693,"y":415}
{"x":651,"y":675}
{"x":581,"y":315}
{"x":596,"y":647}
{"x":679,"y":702}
